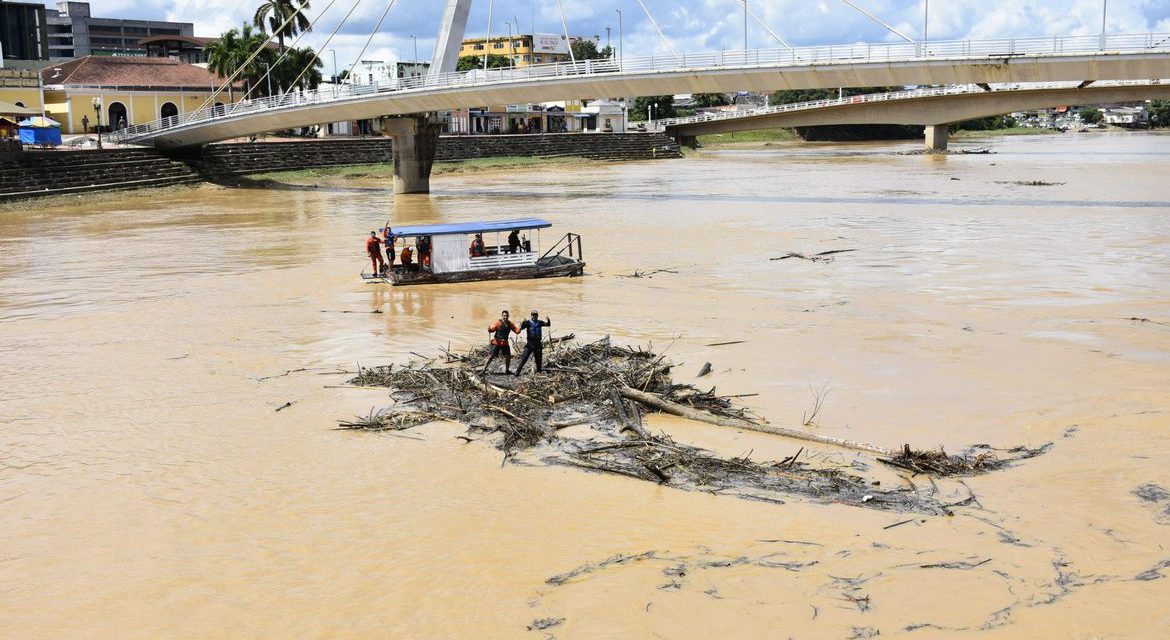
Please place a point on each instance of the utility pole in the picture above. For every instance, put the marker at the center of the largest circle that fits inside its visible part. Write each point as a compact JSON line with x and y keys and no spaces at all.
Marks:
{"x":926,"y":22}
{"x":336,"y":80}
{"x":1104,"y":13}
{"x":621,"y":46}
{"x":511,"y":49}
{"x":745,"y":26}
{"x":415,"y":60}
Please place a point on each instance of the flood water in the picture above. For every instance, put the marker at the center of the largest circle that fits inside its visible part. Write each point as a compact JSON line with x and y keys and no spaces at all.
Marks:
{"x":149,"y":488}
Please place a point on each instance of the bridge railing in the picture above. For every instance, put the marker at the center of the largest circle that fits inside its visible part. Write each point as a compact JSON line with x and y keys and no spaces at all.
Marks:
{"x":842,"y":54}
{"x":910,"y":94}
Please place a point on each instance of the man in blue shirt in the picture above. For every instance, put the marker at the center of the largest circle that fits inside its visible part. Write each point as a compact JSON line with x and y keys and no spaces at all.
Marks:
{"x":533,"y":332}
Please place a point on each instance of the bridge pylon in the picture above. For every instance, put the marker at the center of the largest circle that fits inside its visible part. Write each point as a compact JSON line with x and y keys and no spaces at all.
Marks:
{"x":936,"y":136}
{"x":415,"y":140}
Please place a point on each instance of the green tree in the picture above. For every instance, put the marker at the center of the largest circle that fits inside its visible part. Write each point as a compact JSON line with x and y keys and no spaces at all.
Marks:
{"x":1160,"y":113}
{"x":790,"y":96}
{"x":301,"y":69}
{"x":587,"y":50}
{"x":277,"y":12}
{"x":494,"y":61}
{"x":1090,"y":115}
{"x":663,"y":107}
{"x":989,"y":123}
{"x":710,"y":100}
{"x":230,"y":53}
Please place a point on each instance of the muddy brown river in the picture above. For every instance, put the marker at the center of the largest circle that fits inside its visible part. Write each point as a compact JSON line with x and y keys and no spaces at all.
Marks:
{"x":150,"y":489}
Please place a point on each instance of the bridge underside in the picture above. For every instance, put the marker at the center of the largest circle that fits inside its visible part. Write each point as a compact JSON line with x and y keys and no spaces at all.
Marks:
{"x":931,"y":71}
{"x":935,"y":110}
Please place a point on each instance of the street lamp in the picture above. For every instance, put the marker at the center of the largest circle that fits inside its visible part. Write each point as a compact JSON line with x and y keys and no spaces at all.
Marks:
{"x":1104,"y":13}
{"x":97,"y":109}
{"x":511,"y":49}
{"x":268,"y":76}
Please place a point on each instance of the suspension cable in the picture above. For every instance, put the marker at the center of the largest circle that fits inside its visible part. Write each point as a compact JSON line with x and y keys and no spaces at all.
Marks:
{"x":565,"y":30}
{"x":765,"y":25}
{"x":658,"y":29}
{"x":317,"y":52}
{"x":879,"y":21}
{"x":284,"y":54}
{"x":487,"y":44}
{"x":243,"y":66}
{"x":371,"y":38}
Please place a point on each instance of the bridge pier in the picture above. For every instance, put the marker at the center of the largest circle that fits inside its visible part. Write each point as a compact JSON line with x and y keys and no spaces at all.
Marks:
{"x":936,"y":137}
{"x":415,"y":141}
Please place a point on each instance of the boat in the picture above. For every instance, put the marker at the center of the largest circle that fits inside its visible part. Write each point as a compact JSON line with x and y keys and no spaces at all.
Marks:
{"x":451,"y":259}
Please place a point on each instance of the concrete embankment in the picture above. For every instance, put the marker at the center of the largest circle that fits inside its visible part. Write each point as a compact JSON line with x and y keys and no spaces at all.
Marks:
{"x":34,"y":174}
{"x":45,"y":173}
{"x":219,"y":161}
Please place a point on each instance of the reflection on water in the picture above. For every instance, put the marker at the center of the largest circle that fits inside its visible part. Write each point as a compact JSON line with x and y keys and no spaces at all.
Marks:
{"x":151,"y":489}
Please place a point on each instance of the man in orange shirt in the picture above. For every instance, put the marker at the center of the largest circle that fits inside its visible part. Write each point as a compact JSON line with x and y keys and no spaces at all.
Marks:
{"x":374,"y":248}
{"x":499,"y":331}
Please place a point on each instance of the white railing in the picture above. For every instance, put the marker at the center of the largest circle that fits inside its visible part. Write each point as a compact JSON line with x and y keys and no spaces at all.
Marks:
{"x":911,"y":94}
{"x":503,"y":260}
{"x":801,"y":56}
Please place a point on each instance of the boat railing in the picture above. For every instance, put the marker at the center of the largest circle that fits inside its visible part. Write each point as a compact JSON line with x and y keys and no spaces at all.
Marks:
{"x":503,"y":260}
{"x":566,"y":244}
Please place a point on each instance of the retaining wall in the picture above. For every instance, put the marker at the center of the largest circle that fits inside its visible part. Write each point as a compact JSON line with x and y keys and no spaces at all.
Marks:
{"x":226,"y":160}
{"x":31,"y":174}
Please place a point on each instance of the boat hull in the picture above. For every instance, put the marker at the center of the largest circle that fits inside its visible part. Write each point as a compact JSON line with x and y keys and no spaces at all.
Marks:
{"x":560,"y":269}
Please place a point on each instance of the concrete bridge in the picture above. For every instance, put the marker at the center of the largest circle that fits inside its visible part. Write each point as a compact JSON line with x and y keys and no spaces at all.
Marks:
{"x":935,"y":108}
{"x":1054,"y":59}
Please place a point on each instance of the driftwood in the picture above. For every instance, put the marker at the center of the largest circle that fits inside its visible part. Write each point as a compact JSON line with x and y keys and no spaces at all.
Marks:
{"x":666,"y":406}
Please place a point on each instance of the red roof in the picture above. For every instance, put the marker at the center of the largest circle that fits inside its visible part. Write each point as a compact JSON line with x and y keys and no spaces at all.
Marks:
{"x":130,"y":73}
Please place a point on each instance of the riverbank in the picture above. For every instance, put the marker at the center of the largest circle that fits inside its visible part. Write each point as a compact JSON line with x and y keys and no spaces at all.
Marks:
{"x":453,"y":168}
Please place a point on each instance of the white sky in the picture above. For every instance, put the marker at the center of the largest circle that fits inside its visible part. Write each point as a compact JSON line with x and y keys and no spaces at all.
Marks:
{"x":691,"y":25}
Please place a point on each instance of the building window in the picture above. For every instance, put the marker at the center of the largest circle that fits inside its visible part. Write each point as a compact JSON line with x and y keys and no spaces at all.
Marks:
{"x":169,"y":110}
{"x":478,"y":47}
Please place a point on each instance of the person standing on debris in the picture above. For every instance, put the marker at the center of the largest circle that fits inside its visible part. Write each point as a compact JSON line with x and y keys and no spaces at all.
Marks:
{"x":374,"y":248}
{"x":499,"y":331}
{"x":533,"y":330}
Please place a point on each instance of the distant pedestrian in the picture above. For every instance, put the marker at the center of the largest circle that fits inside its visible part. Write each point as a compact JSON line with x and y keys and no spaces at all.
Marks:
{"x":533,"y":346}
{"x":499,"y":331}
{"x":374,"y":249}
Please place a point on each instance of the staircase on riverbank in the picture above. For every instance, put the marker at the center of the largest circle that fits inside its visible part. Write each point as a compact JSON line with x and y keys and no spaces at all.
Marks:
{"x":32,"y":174}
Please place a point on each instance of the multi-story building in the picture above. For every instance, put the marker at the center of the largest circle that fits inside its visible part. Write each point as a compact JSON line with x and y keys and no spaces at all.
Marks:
{"x":522,"y":49}
{"x":74,"y":33}
{"x":23,"y":33}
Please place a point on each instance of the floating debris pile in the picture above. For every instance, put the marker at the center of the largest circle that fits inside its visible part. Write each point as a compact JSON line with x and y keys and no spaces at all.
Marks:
{"x":607,"y":387}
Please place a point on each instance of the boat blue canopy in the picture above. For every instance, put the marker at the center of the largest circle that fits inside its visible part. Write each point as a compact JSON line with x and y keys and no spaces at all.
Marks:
{"x":467,"y":228}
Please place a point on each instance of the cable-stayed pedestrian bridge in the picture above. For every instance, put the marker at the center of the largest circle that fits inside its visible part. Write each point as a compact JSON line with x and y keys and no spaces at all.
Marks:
{"x":1023,"y":60}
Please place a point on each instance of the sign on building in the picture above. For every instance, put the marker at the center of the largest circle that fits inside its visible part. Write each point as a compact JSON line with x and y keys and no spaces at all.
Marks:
{"x":550,"y":43}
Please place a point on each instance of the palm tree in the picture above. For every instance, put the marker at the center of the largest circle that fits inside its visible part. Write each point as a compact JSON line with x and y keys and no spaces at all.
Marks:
{"x":229,"y":53}
{"x":298,"y":60}
{"x":277,"y":12}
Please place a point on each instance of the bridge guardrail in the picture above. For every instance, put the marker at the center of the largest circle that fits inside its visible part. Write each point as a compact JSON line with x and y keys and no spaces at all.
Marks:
{"x":665,"y":123}
{"x":832,"y":54}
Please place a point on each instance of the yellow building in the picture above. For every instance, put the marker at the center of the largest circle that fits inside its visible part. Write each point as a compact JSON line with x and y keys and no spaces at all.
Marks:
{"x":19,"y":87}
{"x":131,"y":91}
{"x":524,"y":50}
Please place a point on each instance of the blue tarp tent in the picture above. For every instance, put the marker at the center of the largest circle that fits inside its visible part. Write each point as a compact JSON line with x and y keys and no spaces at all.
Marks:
{"x":40,"y":131}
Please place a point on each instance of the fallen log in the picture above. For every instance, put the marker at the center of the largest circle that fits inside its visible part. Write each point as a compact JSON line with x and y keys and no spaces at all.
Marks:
{"x":665,"y":406}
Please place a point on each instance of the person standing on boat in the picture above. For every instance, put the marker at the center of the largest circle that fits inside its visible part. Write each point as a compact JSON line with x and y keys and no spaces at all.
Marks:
{"x":477,"y":248}
{"x":424,"y":252}
{"x":407,"y":258}
{"x":374,"y":248}
{"x":388,"y":240}
{"x":499,"y":332}
{"x":533,"y":330}
{"x":514,"y":242}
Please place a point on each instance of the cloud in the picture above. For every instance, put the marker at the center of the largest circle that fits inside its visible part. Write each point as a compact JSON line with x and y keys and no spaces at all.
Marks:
{"x":690,"y":25}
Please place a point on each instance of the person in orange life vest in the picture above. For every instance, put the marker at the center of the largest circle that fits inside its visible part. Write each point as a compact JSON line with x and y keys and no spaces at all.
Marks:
{"x":388,"y":239}
{"x":374,"y":248}
{"x":424,"y":252}
{"x":407,"y":258}
{"x":499,"y":332}
{"x":477,"y":248}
